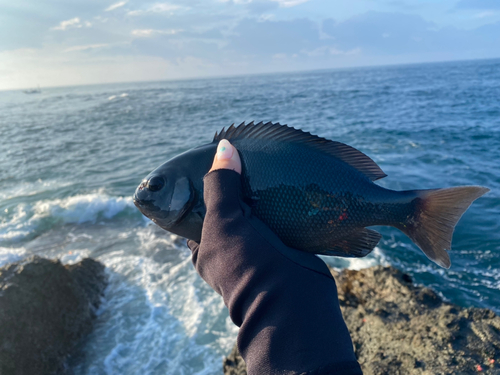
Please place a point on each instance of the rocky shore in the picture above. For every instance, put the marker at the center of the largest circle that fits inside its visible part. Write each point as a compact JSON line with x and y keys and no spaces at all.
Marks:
{"x":400,"y":328}
{"x":45,"y":310}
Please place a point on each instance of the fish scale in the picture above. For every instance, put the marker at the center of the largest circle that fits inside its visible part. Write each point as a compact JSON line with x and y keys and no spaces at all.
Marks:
{"x":317,"y":195}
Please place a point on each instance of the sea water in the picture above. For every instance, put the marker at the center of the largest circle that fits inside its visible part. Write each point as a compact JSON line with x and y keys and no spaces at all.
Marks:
{"x":71,"y":158}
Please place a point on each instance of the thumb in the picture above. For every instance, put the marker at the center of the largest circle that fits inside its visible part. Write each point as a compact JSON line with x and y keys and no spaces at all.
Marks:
{"x":227,"y":157}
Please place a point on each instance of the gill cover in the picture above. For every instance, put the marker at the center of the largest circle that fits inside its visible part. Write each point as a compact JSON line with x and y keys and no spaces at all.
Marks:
{"x":182,"y":199}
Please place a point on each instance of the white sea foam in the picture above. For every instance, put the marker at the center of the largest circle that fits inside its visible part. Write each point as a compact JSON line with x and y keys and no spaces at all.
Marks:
{"x":82,"y":208}
{"x":376,"y":257}
{"x":17,"y":227}
{"x":26,"y":218}
{"x":75,"y":256}
{"x":123,"y":95}
{"x":9,"y":255}
{"x":158,"y":316}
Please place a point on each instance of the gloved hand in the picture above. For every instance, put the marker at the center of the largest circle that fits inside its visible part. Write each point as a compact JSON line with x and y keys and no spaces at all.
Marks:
{"x":284,"y":300}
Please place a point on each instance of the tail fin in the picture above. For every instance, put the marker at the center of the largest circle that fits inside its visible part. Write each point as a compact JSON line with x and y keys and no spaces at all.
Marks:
{"x":437,"y":213}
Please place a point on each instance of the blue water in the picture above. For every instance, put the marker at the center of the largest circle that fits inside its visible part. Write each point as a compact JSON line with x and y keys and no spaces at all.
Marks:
{"x":70,"y":159}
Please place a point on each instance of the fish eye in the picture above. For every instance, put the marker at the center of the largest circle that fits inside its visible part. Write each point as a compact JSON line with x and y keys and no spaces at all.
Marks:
{"x":156,"y":183}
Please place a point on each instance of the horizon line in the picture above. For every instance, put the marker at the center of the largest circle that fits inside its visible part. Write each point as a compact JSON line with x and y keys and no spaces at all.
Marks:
{"x":204,"y":77}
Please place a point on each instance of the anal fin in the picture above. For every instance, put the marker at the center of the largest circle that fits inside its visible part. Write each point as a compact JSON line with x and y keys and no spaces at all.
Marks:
{"x":356,"y":245}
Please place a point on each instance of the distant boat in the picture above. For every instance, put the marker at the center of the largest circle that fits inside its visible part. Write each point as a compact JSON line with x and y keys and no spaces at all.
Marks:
{"x":33,"y":91}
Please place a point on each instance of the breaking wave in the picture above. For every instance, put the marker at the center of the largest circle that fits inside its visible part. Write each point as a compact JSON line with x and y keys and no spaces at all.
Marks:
{"x":27,"y":220}
{"x":9,"y":255}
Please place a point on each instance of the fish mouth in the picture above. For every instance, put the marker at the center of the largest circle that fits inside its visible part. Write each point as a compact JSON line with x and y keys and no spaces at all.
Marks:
{"x":144,"y":203}
{"x":146,"y":207}
{"x":154,"y":213}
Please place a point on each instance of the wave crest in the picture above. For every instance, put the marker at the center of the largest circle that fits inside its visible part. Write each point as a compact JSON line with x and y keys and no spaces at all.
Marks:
{"x":27,"y":220}
{"x":82,"y":208}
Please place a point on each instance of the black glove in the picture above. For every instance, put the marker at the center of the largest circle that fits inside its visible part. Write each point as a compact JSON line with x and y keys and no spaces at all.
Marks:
{"x":284,"y":300}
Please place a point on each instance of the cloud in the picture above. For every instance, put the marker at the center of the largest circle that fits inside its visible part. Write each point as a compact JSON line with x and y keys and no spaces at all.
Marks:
{"x":400,"y":4}
{"x":145,"y":33}
{"x":330,"y":51}
{"x":282,"y":3}
{"x":381,"y":33}
{"x":479,"y":4}
{"x":370,"y":38}
{"x":86,"y":47}
{"x":256,"y":37}
{"x":261,"y":6}
{"x":115,"y":6}
{"x":72,"y":23}
{"x":163,"y":7}
{"x":156,"y":8}
{"x":290,"y":3}
{"x":101,"y":19}
{"x":266,"y":17}
{"x":179,"y":44}
{"x":236,"y":1}
{"x":398,"y":34}
{"x":487,"y":13}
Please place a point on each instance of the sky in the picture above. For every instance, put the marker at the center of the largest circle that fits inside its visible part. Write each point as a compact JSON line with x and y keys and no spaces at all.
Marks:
{"x":73,"y":42}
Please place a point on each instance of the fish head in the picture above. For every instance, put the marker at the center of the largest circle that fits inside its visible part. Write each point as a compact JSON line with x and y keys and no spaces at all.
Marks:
{"x":167,"y":196}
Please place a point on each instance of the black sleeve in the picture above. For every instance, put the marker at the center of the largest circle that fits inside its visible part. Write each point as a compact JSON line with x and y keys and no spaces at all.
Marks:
{"x":284,"y":300}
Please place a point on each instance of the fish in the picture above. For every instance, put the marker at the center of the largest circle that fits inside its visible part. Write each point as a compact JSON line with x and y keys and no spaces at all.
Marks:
{"x":315,"y":194}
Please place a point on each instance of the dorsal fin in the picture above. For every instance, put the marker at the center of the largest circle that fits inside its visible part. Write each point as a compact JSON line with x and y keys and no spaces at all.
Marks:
{"x":268,"y":131}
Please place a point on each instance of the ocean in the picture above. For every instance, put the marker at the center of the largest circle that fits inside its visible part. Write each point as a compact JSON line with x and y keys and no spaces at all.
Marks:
{"x":71,"y":158}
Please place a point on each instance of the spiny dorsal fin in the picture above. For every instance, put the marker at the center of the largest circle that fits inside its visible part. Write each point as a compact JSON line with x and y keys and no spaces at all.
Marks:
{"x":268,"y":131}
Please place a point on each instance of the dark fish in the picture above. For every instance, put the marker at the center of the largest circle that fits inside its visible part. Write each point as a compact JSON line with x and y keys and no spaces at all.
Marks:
{"x":317,"y":195}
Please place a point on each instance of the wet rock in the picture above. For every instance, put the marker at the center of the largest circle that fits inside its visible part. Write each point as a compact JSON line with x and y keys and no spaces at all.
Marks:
{"x":400,"y":328}
{"x":45,"y":310}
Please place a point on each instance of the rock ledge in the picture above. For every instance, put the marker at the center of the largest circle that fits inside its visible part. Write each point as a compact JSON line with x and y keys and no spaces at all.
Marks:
{"x":400,"y":328}
{"x":45,"y":310}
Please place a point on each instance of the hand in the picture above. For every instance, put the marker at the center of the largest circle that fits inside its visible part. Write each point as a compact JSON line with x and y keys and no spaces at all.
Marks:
{"x":284,"y":300}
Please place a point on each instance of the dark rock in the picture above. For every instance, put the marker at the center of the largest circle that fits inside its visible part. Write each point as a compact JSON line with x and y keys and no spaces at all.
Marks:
{"x":45,"y":310}
{"x":234,"y":364}
{"x":399,"y":328}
